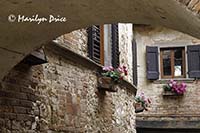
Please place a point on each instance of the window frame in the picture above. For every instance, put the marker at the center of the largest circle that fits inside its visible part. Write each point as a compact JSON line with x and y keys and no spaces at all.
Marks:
{"x":102,"y":45}
{"x":162,"y":76}
{"x":98,"y":55}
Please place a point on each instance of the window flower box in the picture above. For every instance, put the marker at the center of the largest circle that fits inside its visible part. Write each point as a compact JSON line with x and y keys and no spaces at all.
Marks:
{"x":171,"y":93}
{"x":107,"y":84}
{"x":110,"y":77}
{"x":174,"y":88}
{"x":139,"y":108}
{"x":141,"y":103}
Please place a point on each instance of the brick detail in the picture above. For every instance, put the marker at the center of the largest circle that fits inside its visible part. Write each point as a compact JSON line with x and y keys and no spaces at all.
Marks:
{"x":16,"y":100}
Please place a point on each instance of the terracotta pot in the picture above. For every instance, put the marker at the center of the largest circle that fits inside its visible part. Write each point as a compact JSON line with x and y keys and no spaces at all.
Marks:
{"x":139,"y":108}
{"x":107,"y":84}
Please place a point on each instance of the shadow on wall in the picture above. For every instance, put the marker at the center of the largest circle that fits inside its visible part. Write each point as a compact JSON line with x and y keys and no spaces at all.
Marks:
{"x":18,"y":109}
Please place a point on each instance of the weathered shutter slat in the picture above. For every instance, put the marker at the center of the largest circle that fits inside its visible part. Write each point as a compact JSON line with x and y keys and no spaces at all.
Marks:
{"x":152,"y":63}
{"x":194,"y":61}
{"x":134,"y":53}
{"x":115,"y":46}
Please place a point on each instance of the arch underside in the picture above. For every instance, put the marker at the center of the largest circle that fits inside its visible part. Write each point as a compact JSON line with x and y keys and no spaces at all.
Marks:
{"x":19,"y":39}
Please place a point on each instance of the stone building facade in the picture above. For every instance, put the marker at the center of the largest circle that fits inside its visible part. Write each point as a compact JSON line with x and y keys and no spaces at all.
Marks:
{"x":61,"y":96}
{"x":166,"y":112}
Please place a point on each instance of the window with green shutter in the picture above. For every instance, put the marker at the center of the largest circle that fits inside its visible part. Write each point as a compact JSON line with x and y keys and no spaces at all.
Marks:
{"x":96,"y":44}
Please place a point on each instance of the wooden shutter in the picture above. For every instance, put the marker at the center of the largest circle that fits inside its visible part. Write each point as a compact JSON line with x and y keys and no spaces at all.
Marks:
{"x":95,"y":44}
{"x":115,"y":46}
{"x":134,"y":54}
{"x":193,"y":61}
{"x":152,"y":63}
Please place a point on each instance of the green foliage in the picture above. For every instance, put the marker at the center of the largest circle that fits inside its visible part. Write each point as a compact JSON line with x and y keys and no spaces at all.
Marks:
{"x":167,"y":88}
{"x":115,"y":75}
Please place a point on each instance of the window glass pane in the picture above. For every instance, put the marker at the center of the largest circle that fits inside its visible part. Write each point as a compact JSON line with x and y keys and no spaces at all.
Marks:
{"x":166,"y":62}
{"x":178,"y":62}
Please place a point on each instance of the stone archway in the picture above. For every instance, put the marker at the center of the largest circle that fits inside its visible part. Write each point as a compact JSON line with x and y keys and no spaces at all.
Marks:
{"x":19,"y":39}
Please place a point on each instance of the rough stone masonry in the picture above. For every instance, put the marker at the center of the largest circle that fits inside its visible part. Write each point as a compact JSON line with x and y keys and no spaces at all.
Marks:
{"x":62,"y":96}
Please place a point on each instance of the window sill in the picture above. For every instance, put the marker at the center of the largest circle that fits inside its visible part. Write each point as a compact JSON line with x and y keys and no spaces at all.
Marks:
{"x":164,"y":81}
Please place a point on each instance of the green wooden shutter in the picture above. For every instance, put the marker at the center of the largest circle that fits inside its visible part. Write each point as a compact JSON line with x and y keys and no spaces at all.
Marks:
{"x":152,"y":63}
{"x":193,"y":61}
{"x":115,"y":46}
{"x":94,"y":43}
{"x":134,"y":54}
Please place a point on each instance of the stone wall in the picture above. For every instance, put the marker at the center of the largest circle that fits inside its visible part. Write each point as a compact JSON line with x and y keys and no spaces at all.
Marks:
{"x":75,"y":41}
{"x":73,"y":102}
{"x":19,"y":112}
{"x":125,"y":48}
{"x":165,"y":108}
{"x":62,"y":95}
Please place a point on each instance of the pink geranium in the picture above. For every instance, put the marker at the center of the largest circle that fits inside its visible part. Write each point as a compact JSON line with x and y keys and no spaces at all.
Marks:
{"x":176,"y":87}
{"x":115,"y":73}
{"x":108,"y":68}
{"x":145,"y":102}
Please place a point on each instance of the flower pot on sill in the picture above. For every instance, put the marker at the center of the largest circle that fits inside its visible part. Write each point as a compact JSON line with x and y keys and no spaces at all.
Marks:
{"x":139,"y":108}
{"x":107,"y":84}
{"x":171,"y":93}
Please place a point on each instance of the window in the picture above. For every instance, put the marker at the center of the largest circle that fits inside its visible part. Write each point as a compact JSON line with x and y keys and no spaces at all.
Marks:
{"x":103,"y":44}
{"x":172,"y":62}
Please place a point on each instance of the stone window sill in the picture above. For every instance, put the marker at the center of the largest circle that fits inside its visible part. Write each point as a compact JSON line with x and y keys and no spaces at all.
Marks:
{"x":164,"y":81}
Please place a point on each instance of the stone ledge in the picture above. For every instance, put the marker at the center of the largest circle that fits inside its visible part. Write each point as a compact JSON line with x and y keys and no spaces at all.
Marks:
{"x":129,"y":85}
{"x":165,"y":130}
{"x":164,"y":81}
{"x":163,"y":124}
{"x":74,"y":57}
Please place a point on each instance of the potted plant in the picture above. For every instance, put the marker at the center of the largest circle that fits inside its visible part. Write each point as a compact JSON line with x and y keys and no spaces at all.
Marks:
{"x":173,"y":88}
{"x":141,"y":103}
{"x":110,"y":77}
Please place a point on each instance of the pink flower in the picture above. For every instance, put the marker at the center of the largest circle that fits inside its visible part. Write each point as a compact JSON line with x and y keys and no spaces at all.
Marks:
{"x":111,"y":68}
{"x":121,"y":78}
{"x":179,"y":88}
{"x":108,"y":68}
{"x":125,"y":70}
{"x":124,"y":67}
{"x":120,"y":69}
{"x":170,"y":84}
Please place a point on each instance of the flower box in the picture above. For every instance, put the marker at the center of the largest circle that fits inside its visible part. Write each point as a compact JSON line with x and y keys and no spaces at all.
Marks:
{"x":139,"y":108}
{"x":110,"y":77}
{"x":107,"y":84}
{"x":173,"y":88}
{"x":171,"y":93}
{"x":141,"y":103}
